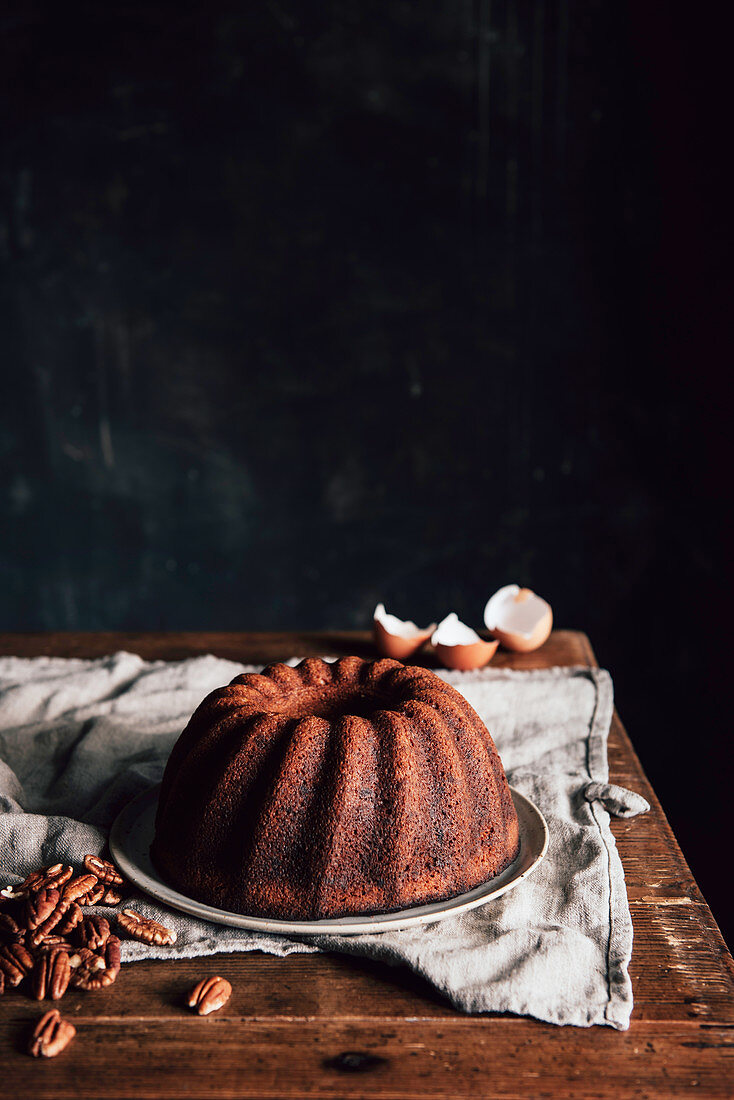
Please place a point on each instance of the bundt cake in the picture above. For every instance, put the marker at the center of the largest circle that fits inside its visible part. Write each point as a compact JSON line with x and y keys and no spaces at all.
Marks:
{"x":333,"y":789}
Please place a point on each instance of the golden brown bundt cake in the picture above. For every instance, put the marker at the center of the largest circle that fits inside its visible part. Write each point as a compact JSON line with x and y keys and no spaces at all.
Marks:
{"x":333,"y":789}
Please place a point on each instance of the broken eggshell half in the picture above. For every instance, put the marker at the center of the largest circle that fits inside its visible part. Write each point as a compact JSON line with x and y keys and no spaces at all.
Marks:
{"x":458,"y":646}
{"x":518,"y":618}
{"x":395,"y":638}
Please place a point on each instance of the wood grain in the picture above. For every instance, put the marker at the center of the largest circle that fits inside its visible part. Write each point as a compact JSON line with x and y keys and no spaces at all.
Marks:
{"x":289,"y":1020}
{"x":233,"y":1057}
{"x":564,"y":647}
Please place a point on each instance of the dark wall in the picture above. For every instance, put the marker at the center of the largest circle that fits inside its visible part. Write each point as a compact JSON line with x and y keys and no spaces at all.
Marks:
{"x":306,"y":306}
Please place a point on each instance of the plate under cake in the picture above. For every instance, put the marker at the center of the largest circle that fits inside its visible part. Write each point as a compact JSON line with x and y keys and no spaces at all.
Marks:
{"x":132,"y":834}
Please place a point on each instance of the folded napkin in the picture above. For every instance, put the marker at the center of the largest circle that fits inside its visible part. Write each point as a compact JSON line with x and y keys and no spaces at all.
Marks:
{"x":79,"y":739}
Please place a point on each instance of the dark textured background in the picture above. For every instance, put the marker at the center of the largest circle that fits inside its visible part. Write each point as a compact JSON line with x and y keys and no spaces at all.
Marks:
{"x":306,"y":306}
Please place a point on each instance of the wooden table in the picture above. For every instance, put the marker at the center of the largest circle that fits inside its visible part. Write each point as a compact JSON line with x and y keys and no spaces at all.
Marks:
{"x":290,"y":1021}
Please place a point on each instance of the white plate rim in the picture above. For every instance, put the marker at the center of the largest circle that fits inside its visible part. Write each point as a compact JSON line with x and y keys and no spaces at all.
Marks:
{"x":132,"y":832}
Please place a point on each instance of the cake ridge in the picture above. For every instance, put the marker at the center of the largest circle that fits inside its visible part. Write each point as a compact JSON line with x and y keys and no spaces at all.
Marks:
{"x":400,"y":828}
{"x":279,"y":799}
{"x":344,"y":797}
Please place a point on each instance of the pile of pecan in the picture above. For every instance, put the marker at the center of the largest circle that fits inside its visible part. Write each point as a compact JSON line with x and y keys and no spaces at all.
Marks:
{"x":50,"y":943}
{"x":47,"y":938}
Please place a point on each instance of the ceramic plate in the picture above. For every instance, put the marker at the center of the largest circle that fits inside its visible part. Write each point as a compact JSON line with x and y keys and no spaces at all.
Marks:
{"x":132,"y":835}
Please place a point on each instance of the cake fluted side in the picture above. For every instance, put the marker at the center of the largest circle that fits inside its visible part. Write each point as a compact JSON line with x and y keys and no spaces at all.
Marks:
{"x":270,"y":809}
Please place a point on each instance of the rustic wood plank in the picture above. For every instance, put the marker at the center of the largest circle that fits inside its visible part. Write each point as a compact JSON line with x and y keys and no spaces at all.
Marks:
{"x":680,"y":964}
{"x":505,"y":1058}
{"x":290,"y":1018}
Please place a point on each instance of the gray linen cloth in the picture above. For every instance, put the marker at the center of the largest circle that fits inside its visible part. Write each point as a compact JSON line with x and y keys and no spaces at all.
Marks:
{"x":79,"y":739}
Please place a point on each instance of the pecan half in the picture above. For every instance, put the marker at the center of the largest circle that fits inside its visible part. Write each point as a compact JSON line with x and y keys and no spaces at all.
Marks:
{"x":146,"y":929}
{"x":105,"y":871}
{"x":79,"y":888}
{"x":51,"y":974}
{"x":52,"y":941}
{"x":15,"y":962}
{"x":51,"y":1035}
{"x":90,"y":971}
{"x":39,"y":906}
{"x":48,"y":925}
{"x":93,"y":932}
{"x":46,"y":878}
{"x":95,"y":895}
{"x":69,"y":920}
{"x":111,"y":897}
{"x":209,"y":995}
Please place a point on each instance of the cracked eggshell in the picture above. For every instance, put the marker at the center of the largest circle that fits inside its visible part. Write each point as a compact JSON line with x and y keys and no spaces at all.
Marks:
{"x":458,"y":646}
{"x":521,"y":620}
{"x":395,"y":638}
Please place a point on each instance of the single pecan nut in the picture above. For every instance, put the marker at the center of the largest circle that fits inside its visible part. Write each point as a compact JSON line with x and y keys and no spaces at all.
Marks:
{"x":94,"y":895}
{"x":51,"y":974}
{"x":79,"y":888}
{"x":51,"y":1035}
{"x":209,"y":995}
{"x":46,"y":878}
{"x":112,"y":965}
{"x":72,"y":917}
{"x":50,"y":924}
{"x":105,"y":871}
{"x":146,"y":929}
{"x":112,"y":954}
{"x":15,"y":962}
{"x":91,"y":971}
{"x":93,"y":932}
{"x":40,"y":905}
{"x":48,"y":943}
{"x":111,"y":897}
